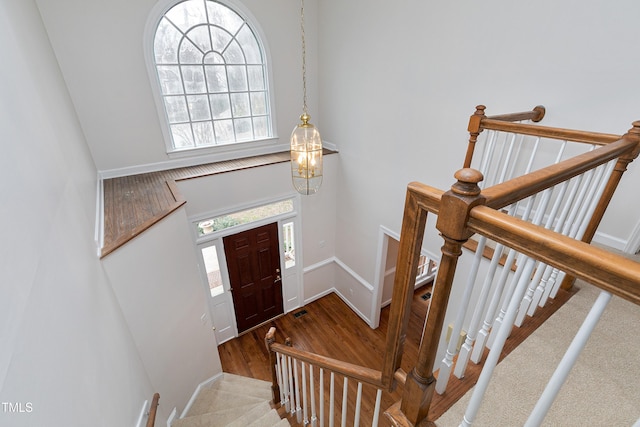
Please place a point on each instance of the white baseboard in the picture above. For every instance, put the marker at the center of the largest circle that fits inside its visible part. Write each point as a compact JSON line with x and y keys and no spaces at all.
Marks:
{"x":611,"y":241}
{"x":142,"y":418}
{"x":353,"y":307}
{"x":197,"y":391}
{"x":633,"y":244}
{"x":318,"y":296}
{"x":334,"y":260}
{"x":343,"y":298}
{"x":172,"y":416}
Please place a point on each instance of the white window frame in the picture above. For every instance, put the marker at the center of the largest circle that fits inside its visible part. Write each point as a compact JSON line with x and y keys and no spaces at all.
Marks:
{"x":215,"y":152}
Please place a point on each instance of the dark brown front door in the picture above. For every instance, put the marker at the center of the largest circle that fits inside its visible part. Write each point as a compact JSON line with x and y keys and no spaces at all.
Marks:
{"x":253,"y":261}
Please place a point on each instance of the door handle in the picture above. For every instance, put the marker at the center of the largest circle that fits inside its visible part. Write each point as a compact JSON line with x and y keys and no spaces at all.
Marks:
{"x":278,"y":279}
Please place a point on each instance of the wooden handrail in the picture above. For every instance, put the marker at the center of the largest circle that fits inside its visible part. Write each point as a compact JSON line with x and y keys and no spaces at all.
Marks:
{"x":549,"y":132}
{"x":153,"y":409}
{"x":608,"y":271}
{"x":535,"y":115}
{"x":506,"y":193}
{"x":360,"y":373}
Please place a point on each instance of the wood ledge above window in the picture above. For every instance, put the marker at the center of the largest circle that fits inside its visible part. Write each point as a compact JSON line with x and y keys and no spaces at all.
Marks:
{"x":132,"y":204}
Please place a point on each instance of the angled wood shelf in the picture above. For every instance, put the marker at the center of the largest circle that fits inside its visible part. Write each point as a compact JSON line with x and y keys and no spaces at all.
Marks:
{"x":134,"y":203}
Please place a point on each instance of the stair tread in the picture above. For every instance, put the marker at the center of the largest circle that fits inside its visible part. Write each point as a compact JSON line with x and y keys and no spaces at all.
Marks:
{"x":251,"y":416}
{"x":244,"y":388}
{"x":233,"y":401}
{"x":209,"y":400}
{"x":258,"y":416}
{"x":268,"y":419}
{"x":247,"y":380}
{"x":215,"y":418}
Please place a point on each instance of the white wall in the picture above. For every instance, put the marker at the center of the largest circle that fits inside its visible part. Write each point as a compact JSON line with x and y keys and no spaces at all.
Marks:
{"x":66,"y":348}
{"x":156,"y":280}
{"x":99,"y":46}
{"x":399,"y":81}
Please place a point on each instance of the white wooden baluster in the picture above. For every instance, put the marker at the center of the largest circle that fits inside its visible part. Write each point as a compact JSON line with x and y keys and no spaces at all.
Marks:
{"x":345,"y":391}
{"x":543,"y":273}
{"x":522,"y":259}
{"x":297,"y":389}
{"x":502,"y":335}
{"x":285,"y":382}
{"x":488,"y":150}
{"x":537,"y":300}
{"x":465,"y":350}
{"x":590,"y":203}
{"x":580,"y":226}
{"x":452,"y":347}
{"x":292,"y":398}
{"x":376,"y":411}
{"x":474,"y":329}
{"x":279,"y":378}
{"x":312,"y":388}
{"x":305,"y":414}
{"x":509,"y":162}
{"x":576,"y":208}
{"x":483,"y":334}
{"x":525,"y":216}
{"x":488,"y":323}
{"x":568,"y":361}
{"x":356,"y":420}
{"x":537,"y":220}
{"x":491,"y":169}
{"x":510,"y":289}
{"x":539,"y":216}
{"x":321,"y":389}
{"x":332,"y":400}
{"x":560,"y":225}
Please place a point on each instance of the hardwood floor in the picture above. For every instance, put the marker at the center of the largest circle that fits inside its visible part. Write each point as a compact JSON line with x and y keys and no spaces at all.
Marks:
{"x":331,"y":328}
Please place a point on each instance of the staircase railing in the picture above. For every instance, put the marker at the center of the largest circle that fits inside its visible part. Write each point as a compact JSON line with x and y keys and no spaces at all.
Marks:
{"x":462,"y":212}
{"x":465,"y":210}
{"x":299,"y":379}
{"x":153,"y":409}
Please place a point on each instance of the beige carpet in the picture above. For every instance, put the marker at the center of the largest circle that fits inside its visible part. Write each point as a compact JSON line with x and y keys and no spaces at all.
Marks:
{"x":233,"y":401}
{"x":602,"y":390}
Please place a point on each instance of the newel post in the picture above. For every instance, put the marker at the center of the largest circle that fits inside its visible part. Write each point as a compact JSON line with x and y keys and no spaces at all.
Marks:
{"x":452,"y":219}
{"x":269,"y":339}
{"x":474,"y":129}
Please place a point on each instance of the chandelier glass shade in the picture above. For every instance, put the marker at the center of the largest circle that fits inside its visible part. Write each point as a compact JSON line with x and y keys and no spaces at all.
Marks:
{"x":306,"y":157}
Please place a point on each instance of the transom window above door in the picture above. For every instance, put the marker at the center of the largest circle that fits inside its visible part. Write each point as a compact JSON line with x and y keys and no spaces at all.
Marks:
{"x":246,"y":216}
{"x":212,"y":81}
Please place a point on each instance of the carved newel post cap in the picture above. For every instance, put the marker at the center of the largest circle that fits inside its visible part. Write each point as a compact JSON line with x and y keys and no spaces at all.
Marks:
{"x":480,"y":110}
{"x":467,"y":184}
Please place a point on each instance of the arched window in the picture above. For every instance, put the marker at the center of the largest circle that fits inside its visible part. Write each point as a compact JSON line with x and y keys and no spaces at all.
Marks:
{"x":212,"y":76}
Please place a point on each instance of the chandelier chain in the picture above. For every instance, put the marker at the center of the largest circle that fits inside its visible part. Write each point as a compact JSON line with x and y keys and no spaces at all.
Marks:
{"x":304,"y":60}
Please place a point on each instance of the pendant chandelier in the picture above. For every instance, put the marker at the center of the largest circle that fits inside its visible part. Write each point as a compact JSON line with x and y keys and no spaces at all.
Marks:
{"x":306,"y":144}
